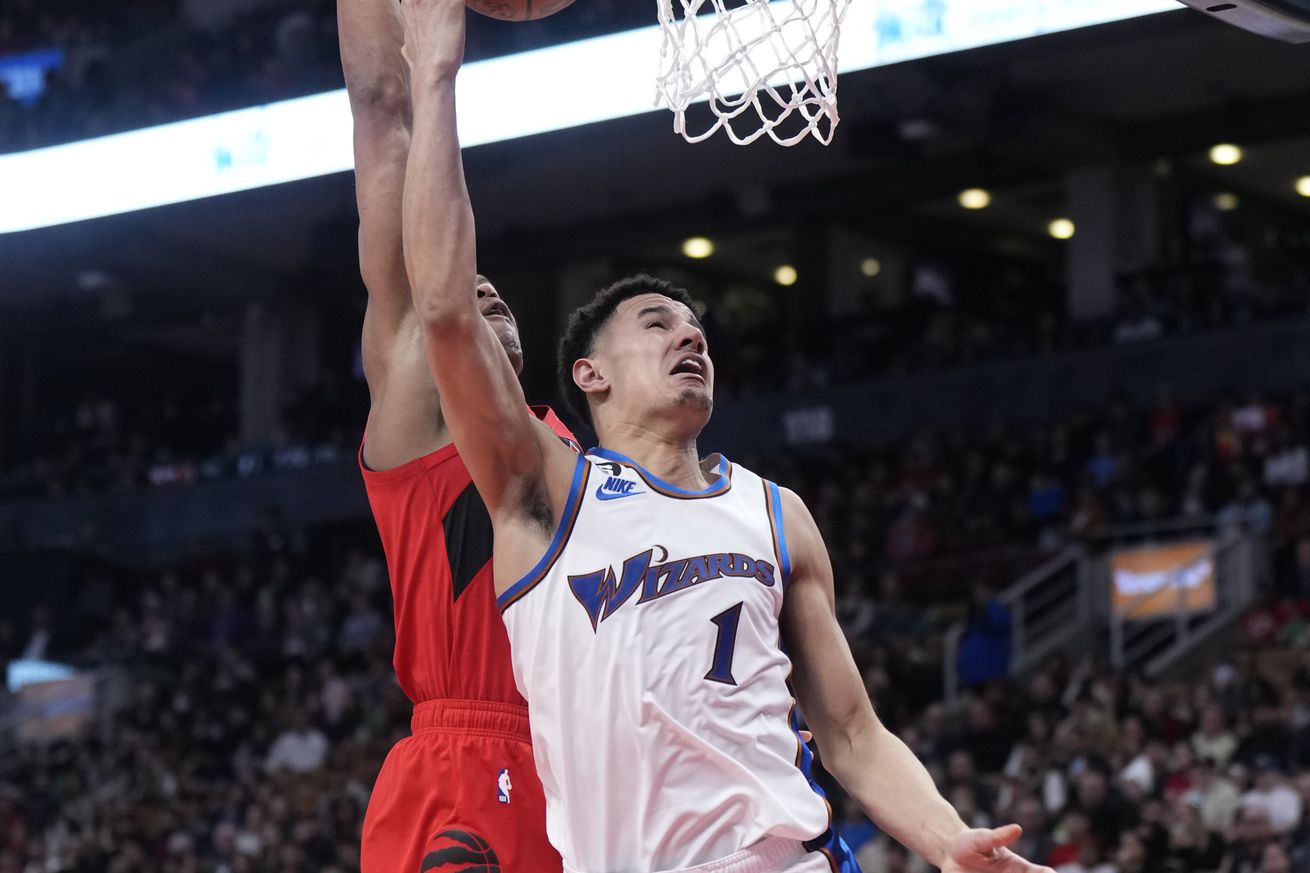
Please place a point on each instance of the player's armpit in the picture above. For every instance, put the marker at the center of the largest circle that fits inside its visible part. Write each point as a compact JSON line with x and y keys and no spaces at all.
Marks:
{"x":520,"y":467}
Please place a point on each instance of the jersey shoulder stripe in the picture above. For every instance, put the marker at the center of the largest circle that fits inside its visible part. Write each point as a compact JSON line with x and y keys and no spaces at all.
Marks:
{"x":581,"y":474}
{"x":773,"y":499}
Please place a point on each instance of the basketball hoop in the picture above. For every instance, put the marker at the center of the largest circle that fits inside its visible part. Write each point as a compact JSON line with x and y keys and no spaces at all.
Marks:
{"x":765,"y":68}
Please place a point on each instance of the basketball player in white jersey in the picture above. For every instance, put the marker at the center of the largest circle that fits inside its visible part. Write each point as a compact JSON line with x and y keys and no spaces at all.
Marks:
{"x":649,"y":595}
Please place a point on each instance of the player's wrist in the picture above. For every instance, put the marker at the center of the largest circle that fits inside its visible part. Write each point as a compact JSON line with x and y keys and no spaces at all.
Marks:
{"x":948,"y":842}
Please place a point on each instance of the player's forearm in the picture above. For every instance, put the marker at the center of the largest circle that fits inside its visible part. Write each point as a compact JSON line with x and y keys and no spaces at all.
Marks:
{"x":377,"y":82}
{"x":440,"y":240}
{"x":892,"y":786}
{"x":371,"y":34}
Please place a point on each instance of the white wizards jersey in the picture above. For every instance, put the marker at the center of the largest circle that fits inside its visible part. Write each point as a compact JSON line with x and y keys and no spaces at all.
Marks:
{"x":646,"y":641}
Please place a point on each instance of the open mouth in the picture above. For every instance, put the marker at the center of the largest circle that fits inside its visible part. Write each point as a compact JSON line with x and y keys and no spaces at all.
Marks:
{"x":496,"y":309}
{"x":691,"y":365}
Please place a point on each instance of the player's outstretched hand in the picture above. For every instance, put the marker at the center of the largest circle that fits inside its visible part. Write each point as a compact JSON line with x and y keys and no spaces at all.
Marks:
{"x":983,"y":850}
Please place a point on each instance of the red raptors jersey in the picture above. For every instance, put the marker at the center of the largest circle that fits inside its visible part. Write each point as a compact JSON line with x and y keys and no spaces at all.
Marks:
{"x":436,"y":532}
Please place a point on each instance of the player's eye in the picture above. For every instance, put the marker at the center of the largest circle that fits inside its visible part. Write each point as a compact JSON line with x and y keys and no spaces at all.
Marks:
{"x":660,"y":324}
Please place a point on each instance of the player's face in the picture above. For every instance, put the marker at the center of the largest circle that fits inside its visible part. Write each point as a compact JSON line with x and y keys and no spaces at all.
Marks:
{"x":655,"y":358}
{"x":497,"y":313}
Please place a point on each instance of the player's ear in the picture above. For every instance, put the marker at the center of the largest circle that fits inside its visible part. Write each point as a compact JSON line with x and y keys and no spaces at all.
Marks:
{"x":588,"y":377}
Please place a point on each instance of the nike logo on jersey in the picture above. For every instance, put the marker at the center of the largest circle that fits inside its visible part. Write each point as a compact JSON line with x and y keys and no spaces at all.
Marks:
{"x":614,"y":488}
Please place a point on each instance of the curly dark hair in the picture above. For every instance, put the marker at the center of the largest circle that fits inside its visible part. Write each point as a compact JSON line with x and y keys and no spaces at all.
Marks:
{"x":587,"y":321}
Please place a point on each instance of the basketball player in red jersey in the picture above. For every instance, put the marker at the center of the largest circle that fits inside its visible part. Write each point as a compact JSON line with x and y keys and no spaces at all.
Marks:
{"x":461,"y":792}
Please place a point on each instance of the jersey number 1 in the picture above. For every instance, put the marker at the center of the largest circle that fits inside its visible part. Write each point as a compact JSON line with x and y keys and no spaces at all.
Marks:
{"x":724,"y":646}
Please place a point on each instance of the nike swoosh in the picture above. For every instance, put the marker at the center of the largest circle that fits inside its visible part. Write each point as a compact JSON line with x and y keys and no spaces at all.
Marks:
{"x":613,"y":495}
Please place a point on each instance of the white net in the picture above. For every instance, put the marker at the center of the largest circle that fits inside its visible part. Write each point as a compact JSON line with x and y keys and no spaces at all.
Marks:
{"x":765,"y":68}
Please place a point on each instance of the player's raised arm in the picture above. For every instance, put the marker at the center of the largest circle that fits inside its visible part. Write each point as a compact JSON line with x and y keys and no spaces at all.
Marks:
{"x":405,"y":416}
{"x":871,"y":763}
{"x":372,"y":35}
{"x":503,"y":446}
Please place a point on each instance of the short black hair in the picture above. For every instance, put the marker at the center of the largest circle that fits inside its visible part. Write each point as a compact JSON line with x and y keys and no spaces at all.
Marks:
{"x":586,"y":322}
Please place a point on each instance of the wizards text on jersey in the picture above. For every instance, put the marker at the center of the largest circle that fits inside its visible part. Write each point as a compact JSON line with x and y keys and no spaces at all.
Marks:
{"x":601,"y":593}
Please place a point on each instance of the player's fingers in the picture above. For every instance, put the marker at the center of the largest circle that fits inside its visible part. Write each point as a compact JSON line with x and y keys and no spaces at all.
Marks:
{"x":999,"y":838}
{"x":806,"y":736}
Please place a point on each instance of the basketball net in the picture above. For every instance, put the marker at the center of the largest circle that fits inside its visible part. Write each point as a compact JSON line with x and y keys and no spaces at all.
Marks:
{"x":765,"y":68}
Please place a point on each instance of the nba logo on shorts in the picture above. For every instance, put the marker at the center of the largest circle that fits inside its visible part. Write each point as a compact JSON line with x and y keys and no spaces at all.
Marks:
{"x":503,"y":786}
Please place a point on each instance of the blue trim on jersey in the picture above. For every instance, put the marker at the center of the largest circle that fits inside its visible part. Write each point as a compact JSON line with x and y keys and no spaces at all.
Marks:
{"x":829,"y":843}
{"x":779,"y":531}
{"x":720,"y":485}
{"x":581,"y":472}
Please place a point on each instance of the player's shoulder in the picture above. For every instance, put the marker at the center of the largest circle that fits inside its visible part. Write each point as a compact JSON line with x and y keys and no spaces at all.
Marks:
{"x":550,"y":420}
{"x":793,"y":506}
{"x":425,"y":477}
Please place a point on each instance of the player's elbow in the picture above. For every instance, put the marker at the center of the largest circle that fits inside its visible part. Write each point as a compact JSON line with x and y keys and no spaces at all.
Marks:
{"x":852,"y":736}
{"x":443,"y":315}
{"x":376,"y":95}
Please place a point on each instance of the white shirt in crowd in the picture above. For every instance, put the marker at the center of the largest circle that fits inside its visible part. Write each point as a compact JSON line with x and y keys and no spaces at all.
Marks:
{"x":298,"y":751}
{"x":1282,"y":804}
{"x":1289,"y":467}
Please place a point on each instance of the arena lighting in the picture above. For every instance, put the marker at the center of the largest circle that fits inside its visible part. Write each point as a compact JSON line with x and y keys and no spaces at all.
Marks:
{"x":975,"y":198}
{"x":870,"y":267}
{"x":1303,"y":186}
{"x":1225,"y":154}
{"x":1061,"y":228}
{"x":785,"y":275}
{"x":502,"y":98}
{"x":698,"y":247}
{"x":1226,"y":201}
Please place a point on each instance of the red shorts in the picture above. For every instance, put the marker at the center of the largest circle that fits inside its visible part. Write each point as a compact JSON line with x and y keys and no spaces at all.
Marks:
{"x":460,"y":794}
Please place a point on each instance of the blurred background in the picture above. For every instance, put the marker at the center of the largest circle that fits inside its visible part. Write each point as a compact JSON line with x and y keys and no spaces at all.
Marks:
{"x":1031,"y":338}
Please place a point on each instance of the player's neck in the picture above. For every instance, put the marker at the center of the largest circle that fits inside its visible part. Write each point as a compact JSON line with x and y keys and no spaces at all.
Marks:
{"x":674,"y":460}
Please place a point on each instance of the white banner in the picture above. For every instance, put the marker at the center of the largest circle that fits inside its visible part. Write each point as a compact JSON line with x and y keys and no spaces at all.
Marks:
{"x":503,"y":98}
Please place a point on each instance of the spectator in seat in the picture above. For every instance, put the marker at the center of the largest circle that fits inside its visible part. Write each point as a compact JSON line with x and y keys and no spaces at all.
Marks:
{"x":1212,"y":739}
{"x":1288,"y":463}
{"x":1249,"y":510}
{"x":1275,"y":859}
{"x":1250,"y":834}
{"x":1269,"y":741}
{"x":300,"y":748}
{"x":1036,"y":843}
{"x":1073,"y":827}
{"x":985,"y":646}
{"x":1106,"y":812}
{"x":1213,"y":795}
{"x":962,"y":774}
{"x":1191,"y":845}
{"x":1130,"y":856}
{"x":1090,"y":858}
{"x":1271,"y":793}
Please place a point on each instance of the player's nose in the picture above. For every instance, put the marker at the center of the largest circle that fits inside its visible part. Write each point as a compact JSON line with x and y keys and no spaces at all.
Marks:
{"x":692,"y":338}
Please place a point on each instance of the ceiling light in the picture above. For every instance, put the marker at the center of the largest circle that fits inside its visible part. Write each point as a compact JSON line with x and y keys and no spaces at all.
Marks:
{"x":975,"y":198}
{"x":870,"y":267}
{"x":1226,"y":201}
{"x":697,"y":247}
{"x":1061,"y":228}
{"x":1303,"y":186}
{"x":1226,"y":154}
{"x":785,"y":275}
